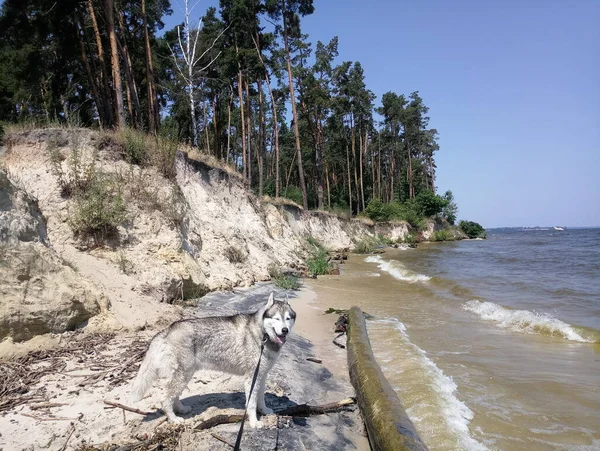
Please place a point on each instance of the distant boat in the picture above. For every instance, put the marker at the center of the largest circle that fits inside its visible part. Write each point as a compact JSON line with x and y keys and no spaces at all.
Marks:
{"x":558,"y":228}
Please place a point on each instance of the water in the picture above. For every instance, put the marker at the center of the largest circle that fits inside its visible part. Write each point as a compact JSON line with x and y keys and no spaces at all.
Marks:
{"x":489,"y":344}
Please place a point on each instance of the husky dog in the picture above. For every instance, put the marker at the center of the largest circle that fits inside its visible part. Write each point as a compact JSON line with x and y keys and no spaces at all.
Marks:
{"x":224,"y":343}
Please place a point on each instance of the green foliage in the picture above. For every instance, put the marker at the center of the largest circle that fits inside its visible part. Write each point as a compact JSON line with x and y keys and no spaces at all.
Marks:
{"x":99,"y":210}
{"x":292,"y":193}
{"x":450,"y":210}
{"x":136,"y":151}
{"x":284,"y":281}
{"x":442,"y":235}
{"x":411,"y":238}
{"x":365,"y":246}
{"x":472,"y":229}
{"x":79,"y":175}
{"x":287,"y":282}
{"x":429,"y":204}
{"x":318,"y":261}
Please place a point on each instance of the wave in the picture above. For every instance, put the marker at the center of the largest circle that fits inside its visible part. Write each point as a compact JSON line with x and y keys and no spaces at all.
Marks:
{"x":455,"y":412}
{"x":396,"y":270}
{"x":525,"y":321}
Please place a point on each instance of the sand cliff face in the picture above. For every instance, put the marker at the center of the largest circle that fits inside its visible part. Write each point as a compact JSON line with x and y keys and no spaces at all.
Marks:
{"x":201,"y":231}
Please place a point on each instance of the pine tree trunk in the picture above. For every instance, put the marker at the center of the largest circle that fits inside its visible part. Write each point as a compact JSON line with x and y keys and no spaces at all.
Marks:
{"x":132,"y":95}
{"x":353,"y":144}
{"x":229,"y":124}
{"x":153,"y":113}
{"x":295,"y":117}
{"x":379,"y":165}
{"x":349,"y":179}
{"x":261,"y":139}
{"x":249,"y":130}
{"x":116,"y":66}
{"x":362,"y":150}
{"x":241,"y":97}
{"x":319,"y":162}
{"x":207,"y":144}
{"x":328,"y":188}
{"x":107,"y":92}
{"x":217,"y":140}
{"x":97,"y":99}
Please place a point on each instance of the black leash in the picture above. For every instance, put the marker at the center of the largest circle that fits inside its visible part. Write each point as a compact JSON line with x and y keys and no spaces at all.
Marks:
{"x":238,"y":441}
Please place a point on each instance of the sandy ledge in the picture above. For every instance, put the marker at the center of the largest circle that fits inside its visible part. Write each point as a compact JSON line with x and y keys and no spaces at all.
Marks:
{"x":78,"y":382}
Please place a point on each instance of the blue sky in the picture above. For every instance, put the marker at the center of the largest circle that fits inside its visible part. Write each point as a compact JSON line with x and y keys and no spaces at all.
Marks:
{"x":513,"y":89}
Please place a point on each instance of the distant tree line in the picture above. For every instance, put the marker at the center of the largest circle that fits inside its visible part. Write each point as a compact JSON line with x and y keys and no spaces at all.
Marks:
{"x":292,"y":120}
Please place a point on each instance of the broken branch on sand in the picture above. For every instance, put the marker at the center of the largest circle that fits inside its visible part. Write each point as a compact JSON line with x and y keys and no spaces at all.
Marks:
{"x":301,"y":410}
{"x":339,"y":344}
{"x":129,"y":409}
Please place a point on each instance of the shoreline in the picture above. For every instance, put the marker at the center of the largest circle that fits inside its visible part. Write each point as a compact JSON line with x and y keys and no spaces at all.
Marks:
{"x":77,"y":416}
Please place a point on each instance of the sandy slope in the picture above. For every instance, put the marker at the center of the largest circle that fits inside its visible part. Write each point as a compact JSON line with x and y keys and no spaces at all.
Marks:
{"x":82,"y":417}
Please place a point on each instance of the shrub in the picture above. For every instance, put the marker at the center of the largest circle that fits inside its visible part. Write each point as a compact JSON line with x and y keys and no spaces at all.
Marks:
{"x":318,"y":263}
{"x":125,"y":265}
{"x":365,"y":246}
{"x":430,"y":204}
{"x":410,"y":238}
{"x":378,"y":211}
{"x":442,"y":235}
{"x":99,"y":210}
{"x":287,"y":282}
{"x":472,"y":229}
{"x":135,"y":147}
{"x":163,"y":157}
{"x":234,"y":255}
{"x":78,"y":177}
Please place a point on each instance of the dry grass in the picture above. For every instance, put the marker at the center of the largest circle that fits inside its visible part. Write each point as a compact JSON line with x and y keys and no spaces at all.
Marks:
{"x":281,"y":201}
{"x":210,"y":160}
{"x":363,"y":220}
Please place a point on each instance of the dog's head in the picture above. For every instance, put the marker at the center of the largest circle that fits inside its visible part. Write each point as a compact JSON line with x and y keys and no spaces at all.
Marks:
{"x":278,"y":320}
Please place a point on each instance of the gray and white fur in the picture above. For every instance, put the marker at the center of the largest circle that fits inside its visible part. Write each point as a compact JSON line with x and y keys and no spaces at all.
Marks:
{"x":230,"y":344}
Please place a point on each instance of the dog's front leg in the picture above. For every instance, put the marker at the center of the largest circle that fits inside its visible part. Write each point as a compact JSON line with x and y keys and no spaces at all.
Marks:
{"x":262,"y":407}
{"x":251,"y":405}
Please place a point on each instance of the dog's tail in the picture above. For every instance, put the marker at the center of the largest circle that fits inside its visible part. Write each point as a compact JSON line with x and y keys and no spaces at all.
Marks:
{"x":146,"y":376}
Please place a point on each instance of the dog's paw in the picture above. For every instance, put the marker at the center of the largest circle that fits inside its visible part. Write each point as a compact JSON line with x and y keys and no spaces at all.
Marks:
{"x":265,"y":410}
{"x":255,"y":424}
{"x":183,"y":409}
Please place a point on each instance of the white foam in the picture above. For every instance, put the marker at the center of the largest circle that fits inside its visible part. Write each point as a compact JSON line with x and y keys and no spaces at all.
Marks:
{"x":524,"y":320}
{"x":396,"y":270}
{"x":455,"y":412}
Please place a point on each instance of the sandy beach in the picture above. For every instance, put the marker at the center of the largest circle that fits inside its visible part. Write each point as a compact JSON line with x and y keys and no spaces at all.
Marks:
{"x":65,"y":408}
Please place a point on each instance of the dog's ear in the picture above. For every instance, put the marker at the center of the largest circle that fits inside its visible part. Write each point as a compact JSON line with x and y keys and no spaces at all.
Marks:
{"x":270,"y":301}
{"x":287,"y":299}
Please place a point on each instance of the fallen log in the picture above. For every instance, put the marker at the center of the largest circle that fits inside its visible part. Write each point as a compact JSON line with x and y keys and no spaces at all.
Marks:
{"x":301,"y":410}
{"x":388,"y":426}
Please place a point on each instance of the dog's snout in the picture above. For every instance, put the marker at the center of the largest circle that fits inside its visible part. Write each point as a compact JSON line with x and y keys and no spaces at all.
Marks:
{"x":284,"y":331}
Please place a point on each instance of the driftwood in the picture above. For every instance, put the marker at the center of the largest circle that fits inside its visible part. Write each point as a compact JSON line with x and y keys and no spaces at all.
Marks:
{"x":64,"y":447}
{"x":312,"y":359}
{"x":388,"y":426}
{"x":20,"y":377}
{"x":301,"y":410}
{"x":339,"y":344}
{"x":129,"y":409}
{"x":47,"y":405}
{"x":305,"y":410}
{"x":221,"y":439}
